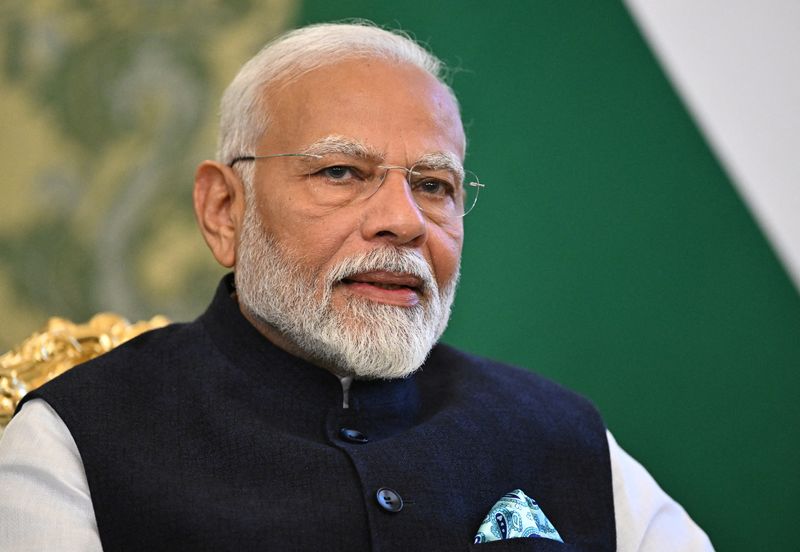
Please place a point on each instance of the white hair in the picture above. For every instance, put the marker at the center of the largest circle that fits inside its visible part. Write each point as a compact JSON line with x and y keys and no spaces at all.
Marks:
{"x":244,"y":113}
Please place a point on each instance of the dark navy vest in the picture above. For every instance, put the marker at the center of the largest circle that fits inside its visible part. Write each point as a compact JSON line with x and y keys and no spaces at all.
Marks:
{"x":205,"y":436}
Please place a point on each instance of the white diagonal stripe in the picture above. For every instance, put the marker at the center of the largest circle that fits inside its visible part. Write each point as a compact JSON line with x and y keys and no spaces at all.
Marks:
{"x":735,"y":64}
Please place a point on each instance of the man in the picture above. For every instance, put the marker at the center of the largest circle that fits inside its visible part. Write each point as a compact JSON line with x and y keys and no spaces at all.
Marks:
{"x":310,"y":407}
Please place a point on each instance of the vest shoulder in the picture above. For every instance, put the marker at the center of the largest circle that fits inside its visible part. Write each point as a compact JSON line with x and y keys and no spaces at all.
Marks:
{"x":142,"y":361}
{"x":500,"y":385}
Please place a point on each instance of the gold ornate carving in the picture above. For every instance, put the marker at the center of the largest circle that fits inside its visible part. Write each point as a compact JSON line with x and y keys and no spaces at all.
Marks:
{"x":57,"y":348}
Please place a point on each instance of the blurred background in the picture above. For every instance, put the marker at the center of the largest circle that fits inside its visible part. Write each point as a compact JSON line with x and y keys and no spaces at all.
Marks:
{"x":611,"y":250}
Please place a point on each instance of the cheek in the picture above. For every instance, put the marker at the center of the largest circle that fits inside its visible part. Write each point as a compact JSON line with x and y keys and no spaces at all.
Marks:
{"x":445,"y":251}
{"x":316,"y":242}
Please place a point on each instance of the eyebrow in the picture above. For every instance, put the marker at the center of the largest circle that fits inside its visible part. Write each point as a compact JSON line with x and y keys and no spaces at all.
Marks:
{"x":336,"y":144}
{"x":442,"y":161}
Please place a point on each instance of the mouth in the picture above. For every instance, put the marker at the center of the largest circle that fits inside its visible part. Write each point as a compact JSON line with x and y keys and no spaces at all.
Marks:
{"x":391,"y":288}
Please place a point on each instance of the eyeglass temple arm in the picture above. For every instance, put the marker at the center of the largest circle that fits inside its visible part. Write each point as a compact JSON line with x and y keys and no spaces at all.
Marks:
{"x":242,"y":158}
{"x":254,"y":157}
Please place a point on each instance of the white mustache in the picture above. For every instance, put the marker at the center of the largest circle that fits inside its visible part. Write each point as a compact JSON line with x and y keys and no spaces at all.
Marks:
{"x":384,"y":259}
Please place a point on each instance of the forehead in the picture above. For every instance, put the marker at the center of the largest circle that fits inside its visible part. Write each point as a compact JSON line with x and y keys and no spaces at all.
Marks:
{"x":395,"y":108}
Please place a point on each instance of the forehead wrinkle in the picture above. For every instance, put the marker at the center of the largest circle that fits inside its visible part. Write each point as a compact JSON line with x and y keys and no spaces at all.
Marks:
{"x":442,"y":160}
{"x":335,"y":144}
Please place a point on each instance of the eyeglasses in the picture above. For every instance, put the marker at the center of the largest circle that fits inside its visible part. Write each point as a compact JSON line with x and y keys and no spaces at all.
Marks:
{"x":440,"y":190}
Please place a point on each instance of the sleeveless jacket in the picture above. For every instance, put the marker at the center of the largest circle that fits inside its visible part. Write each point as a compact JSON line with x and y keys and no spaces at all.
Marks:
{"x":205,"y":436}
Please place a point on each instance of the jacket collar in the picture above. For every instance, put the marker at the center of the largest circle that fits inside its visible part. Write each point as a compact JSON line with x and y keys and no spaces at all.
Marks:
{"x":249,"y":350}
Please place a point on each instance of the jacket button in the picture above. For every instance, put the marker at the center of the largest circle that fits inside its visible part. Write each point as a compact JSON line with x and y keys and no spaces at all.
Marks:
{"x":353,"y":436}
{"x":389,"y":500}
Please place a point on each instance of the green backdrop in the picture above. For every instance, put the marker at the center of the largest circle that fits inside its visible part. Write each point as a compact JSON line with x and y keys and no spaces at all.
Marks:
{"x":609,"y":251}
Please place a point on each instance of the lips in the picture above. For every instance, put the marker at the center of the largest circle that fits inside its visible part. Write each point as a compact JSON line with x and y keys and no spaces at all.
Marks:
{"x":386,"y":279}
{"x":392,"y":288}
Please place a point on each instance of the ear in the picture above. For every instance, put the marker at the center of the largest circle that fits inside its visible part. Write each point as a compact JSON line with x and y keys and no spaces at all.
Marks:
{"x":219,"y":207}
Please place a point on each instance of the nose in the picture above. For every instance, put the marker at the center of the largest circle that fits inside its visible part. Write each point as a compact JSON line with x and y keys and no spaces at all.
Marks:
{"x":392,"y":215}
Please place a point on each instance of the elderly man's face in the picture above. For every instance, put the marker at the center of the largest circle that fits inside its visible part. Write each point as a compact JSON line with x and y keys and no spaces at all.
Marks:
{"x":398,"y":114}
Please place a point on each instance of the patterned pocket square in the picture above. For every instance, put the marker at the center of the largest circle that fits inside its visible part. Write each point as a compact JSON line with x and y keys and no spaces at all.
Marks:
{"x":516,"y":515}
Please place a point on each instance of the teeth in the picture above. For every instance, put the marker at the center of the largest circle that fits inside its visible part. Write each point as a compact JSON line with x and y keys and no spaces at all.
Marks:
{"x":377,"y":284}
{"x":386,"y":286}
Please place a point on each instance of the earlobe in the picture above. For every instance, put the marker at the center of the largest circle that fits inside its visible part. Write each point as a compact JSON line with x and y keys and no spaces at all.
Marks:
{"x":218,"y":206}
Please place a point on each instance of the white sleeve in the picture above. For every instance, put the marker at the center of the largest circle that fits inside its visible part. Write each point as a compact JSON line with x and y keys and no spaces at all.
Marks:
{"x":647,"y":519}
{"x":45,"y":502}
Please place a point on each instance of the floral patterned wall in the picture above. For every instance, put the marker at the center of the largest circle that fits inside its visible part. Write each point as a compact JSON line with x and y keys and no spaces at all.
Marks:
{"x":106,"y":107}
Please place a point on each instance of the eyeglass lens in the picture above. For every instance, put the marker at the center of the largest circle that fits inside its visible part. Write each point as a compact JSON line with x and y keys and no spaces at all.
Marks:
{"x":335,"y":180}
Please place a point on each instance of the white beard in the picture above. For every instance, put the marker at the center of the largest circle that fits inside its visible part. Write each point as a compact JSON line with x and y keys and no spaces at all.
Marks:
{"x":364,"y":339}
